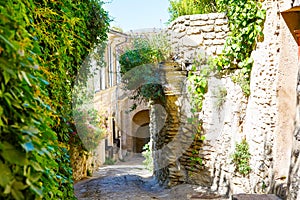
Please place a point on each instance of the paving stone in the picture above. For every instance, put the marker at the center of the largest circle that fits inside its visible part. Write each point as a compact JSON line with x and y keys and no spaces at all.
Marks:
{"x":255,"y":197}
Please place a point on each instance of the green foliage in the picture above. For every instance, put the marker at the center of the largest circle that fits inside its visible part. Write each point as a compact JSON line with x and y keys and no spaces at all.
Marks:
{"x":109,"y":161}
{"x":196,"y":160}
{"x":139,"y":66}
{"x":246,"y":19}
{"x":90,"y":125}
{"x":241,"y":158}
{"x":27,"y":143}
{"x":198,"y":79}
{"x":145,"y":49}
{"x":147,"y":153}
{"x":178,"y":8}
{"x":42,"y":45}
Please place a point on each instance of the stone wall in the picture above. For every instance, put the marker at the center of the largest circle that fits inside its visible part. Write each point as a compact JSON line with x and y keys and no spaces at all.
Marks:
{"x":197,"y":35}
{"x":266,"y":119}
{"x":86,"y":163}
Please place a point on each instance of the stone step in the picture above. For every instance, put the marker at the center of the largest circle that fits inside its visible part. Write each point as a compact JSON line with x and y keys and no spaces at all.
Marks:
{"x":204,"y":196}
{"x":255,"y":197}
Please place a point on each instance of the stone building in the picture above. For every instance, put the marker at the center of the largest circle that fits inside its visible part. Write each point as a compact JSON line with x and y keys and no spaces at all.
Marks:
{"x":128,"y":131}
{"x":268,"y":119}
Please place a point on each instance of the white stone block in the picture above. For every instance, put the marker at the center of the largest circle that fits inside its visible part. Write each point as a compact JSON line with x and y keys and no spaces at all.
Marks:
{"x":221,"y":21}
{"x":213,"y":15}
{"x":209,"y":35}
{"x":198,"y":23}
{"x":207,"y":28}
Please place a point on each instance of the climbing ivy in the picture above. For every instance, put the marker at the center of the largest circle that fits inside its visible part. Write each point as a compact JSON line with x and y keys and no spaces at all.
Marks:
{"x":198,"y":81}
{"x":246,"y":20}
{"x":42,"y":45}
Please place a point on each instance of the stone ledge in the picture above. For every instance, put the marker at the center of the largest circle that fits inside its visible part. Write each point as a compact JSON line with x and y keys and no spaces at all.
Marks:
{"x":255,"y":197}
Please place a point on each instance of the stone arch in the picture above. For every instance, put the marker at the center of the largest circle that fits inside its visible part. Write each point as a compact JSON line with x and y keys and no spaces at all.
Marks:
{"x":140,"y":130}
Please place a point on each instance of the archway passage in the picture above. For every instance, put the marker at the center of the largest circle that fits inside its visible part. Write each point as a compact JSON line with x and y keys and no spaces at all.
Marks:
{"x":142,"y":138}
{"x":140,"y":130}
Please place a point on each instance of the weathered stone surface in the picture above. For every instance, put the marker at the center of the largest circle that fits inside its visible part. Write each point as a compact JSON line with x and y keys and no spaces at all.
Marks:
{"x":198,"y":23}
{"x":257,"y":118}
{"x":255,"y":197}
{"x":221,"y":21}
{"x":207,"y":28}
{"x":199,"y":17}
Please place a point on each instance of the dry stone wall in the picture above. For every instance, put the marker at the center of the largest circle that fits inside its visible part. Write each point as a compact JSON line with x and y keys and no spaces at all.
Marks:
{"x":192,"y":36}
{"x":266,"y":119}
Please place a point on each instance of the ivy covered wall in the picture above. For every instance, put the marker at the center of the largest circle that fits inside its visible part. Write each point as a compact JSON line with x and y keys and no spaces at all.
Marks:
{"x":42,"y":46}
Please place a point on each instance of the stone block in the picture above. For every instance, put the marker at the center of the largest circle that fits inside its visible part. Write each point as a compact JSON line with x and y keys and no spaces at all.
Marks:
{"x":213,"y":16}
{"x":220,"y":35}
{"x":218,"y":42}
{"x":218,"y":29}
{"x":198,"y":23}
{"x":198,"y":39}
{"x":199,"y":17}
{"x":255,"y":197}
{"x":221,"y":21}
{"x":209,"y":36}
{"x":207,"y":28}
{"x":186,"y":41}
{"x":193,"y":30}
{"x":225,"y":28}
{"x":208,"y":42}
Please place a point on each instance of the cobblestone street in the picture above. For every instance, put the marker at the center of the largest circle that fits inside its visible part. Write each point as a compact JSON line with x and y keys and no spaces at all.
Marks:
{"x":130,"y":181}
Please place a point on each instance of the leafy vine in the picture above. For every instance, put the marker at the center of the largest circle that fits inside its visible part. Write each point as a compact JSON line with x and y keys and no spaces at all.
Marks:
{"x":42,"y":46}
{"x":241,"y":157}
{"x":246,"y":20}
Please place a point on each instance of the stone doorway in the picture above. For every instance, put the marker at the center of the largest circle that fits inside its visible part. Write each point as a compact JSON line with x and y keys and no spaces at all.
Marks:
{"x":140,"y":130}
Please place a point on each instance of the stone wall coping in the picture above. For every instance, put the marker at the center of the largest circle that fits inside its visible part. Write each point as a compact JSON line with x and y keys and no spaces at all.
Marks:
{"x":195,"y":17}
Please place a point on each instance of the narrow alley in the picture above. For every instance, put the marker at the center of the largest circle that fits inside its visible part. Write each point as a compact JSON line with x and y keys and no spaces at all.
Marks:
{"x":130,"y":180}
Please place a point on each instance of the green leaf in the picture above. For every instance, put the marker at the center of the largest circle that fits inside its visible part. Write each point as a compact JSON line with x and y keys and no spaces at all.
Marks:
{"x":6,"y":175}
{"x":30,"y":131}
{"x":12,"y":155}
{"x":36,"y":166}
{"x":260,"y":14}
{"x":17,"y":194}
{"x":19,"y":185}
{"x":6,"y":77}
{"x":28,"y":146}
{"x":7,"y":42}
{"x":37,"y":190}
{"x":24,"y":75}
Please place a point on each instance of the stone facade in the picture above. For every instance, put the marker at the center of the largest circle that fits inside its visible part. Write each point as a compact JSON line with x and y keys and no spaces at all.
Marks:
{"x":266,"y":119}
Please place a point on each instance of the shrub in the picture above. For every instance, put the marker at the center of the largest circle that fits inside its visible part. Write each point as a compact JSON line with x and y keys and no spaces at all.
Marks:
{"x":147,"y":153}
{"x":139,"y":66}
{"x":241,"y":158}
{"x":178,"y":8}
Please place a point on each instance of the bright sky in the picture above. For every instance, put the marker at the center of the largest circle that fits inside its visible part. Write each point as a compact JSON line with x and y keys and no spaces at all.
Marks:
{"x":138,"y":14}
